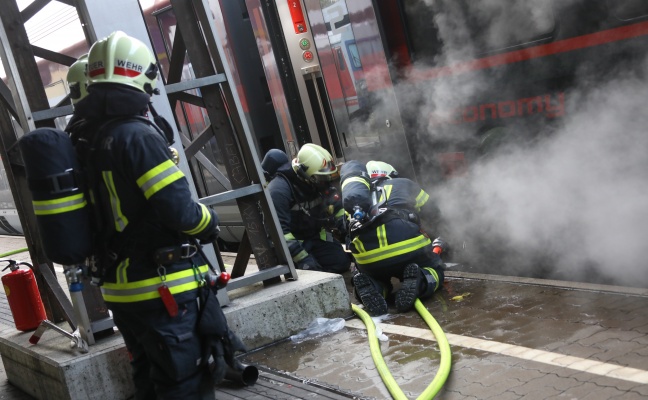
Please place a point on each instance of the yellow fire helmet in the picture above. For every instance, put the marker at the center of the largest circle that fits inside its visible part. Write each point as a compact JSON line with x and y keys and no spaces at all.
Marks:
{"x":124,"y":60}
{"x":315,"y":164}
{"x":77,"y":79}
{"x":380,"y":169}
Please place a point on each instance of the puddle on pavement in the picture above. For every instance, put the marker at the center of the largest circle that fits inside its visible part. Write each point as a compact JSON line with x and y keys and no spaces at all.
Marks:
{"x":343,"y":360}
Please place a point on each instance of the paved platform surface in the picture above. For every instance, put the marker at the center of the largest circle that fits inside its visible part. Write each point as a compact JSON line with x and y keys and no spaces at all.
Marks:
{"x":511,"y":338}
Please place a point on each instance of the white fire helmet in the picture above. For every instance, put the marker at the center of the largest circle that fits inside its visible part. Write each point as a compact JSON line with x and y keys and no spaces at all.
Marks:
{"x":124,"y":60}
{"x":379,"y":169}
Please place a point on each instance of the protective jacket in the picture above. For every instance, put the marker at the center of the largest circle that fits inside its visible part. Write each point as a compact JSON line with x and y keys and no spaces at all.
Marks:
{"x":395,"y":235}
{"x":300,"y":208}
{"x":145,"y":199}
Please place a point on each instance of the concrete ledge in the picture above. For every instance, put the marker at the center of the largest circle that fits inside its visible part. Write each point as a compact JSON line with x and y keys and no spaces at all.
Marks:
{"x":53,"y":370}
{"x":259,"y":316}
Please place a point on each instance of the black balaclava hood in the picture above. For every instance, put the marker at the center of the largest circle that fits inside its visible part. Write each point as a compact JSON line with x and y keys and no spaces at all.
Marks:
{"x":106,"y":100}
{"x":272,"y":161}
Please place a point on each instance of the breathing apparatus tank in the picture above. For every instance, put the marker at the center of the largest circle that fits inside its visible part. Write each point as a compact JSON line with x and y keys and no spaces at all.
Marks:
{"x":54,"y":180}
{"x":356,"y":189}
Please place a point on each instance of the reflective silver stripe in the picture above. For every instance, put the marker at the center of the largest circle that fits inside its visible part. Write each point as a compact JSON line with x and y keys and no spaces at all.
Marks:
{"x":121,"y":273}
{"x":115,"y":205}
{"x":59,"y":206}
{"x":146,"y":289}
{"x":158,"y":178}
{"x":204,"y":221}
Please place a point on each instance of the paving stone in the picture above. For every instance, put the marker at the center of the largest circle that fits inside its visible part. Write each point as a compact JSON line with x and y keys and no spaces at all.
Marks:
{"x":579,"y":323}
{"x":602,"y":394}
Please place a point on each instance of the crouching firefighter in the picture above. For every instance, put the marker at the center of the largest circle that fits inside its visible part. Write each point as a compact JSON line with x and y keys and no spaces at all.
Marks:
{"x":387,"y":238}
{"x":149,"y":229}
{"x":303,"y":193}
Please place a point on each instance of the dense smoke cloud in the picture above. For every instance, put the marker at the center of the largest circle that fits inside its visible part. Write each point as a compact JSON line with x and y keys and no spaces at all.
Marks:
{"x":578,"y":199}
{"x":575,"y":202}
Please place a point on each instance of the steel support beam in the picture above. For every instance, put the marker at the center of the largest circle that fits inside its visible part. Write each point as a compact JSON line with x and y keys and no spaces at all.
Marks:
{"x":27,"y":94}
{"x":231,"y":135}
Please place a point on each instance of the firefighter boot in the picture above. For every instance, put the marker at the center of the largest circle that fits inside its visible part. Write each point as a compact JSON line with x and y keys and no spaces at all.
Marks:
{"x":409,"y":291}
{"x":371,"y":294}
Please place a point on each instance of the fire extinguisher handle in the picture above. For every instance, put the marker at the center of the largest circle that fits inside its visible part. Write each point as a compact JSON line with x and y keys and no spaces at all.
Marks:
{"x":14,"y":265}
{"x":11,"y":263}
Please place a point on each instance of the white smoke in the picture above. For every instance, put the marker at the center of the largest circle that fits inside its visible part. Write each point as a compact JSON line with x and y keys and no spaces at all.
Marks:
{"x":576,"y":200}
{"x":580,"y":198}
{"x":565,"y":194}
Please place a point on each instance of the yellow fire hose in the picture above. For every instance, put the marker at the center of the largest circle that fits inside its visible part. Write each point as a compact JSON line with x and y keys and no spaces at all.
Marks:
{"x":12,"y":252}
{"x":444,"y":347}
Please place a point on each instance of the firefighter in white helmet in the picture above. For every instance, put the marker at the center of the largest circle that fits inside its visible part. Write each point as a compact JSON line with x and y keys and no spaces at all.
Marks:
{"x":388,"y":238}
{"x":149,"y":225}
{"x":77,"y":79}
{"x":308,"y":206}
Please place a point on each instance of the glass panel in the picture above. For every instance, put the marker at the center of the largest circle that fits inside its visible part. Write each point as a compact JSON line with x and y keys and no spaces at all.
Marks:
{"x":475,"y":27}
{"x":355,"y":68}
{"x":628,"y":9}
{"x":345,"y":52}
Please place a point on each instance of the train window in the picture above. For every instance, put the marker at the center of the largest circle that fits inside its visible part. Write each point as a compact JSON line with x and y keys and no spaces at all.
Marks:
{"x":496,"y":25}
{"x":470,"y":28}
{"x":354,"y":56}
{"x":628,"y":9}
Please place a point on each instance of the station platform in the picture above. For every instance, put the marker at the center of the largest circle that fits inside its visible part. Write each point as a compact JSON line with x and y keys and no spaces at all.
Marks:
{"x":510,"y":337}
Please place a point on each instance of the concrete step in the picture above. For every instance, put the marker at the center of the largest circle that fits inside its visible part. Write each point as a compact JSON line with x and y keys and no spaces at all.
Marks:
{"x":259,"y":315}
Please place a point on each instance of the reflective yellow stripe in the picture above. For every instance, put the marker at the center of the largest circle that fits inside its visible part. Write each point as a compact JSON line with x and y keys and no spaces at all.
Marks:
{"x":323,"y":234}
{"x":392,"y":250}
{"x":358,"y":245}
{"x":386,"y":193}
{"x":204,"y":221}
{"x":289,"y":236}
{"x":147,"y":289}
{"x":381,"y":235}
{"x":115,"y":204}
{"x":122,"y":273}
{"x":300,"y":256}
{"x":355,"y":179}
{"x":421,"y":199}
{"x":157,"y":178}
{"x":60,"y":205}
{"x":434,"y":274}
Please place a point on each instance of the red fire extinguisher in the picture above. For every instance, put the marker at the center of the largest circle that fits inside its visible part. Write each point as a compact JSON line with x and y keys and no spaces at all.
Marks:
{"x":23,"y":296}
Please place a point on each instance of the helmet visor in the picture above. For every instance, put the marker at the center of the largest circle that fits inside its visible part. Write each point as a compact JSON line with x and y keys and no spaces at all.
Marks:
{"x":329,"y":172}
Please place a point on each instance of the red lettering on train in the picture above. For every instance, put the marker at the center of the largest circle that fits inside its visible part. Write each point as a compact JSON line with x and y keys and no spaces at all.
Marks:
{"x":552,"y":106}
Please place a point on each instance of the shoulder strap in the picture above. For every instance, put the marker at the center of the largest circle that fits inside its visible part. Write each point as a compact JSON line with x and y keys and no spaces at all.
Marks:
{"x":294,"y":191}
{"x":108,"y":243}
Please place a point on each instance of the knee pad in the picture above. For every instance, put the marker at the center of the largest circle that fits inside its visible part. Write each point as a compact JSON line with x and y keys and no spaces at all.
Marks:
{"x":430,"y":280}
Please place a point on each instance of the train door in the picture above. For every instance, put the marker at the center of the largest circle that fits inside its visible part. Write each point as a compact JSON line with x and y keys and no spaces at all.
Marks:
{"x":334,"y":56}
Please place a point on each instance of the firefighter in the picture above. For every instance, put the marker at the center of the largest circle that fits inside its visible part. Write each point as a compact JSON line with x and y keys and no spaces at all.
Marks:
{"x":308,"y":206}
{"x":388,"y":240}
{"x":149,"y":226}
{"x":77,"y":79}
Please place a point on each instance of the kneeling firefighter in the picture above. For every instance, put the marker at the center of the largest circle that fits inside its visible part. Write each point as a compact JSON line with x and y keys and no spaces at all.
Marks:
{"x":308,"y":206}
{"x":152,"y":270}
{"x":387,"y":238}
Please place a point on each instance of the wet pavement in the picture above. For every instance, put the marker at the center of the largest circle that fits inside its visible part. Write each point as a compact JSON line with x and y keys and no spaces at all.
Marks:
{"x":511,"y":338}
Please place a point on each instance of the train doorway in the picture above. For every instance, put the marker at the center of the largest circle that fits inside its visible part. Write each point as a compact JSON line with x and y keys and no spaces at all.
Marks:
{"x":339,"y":73}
